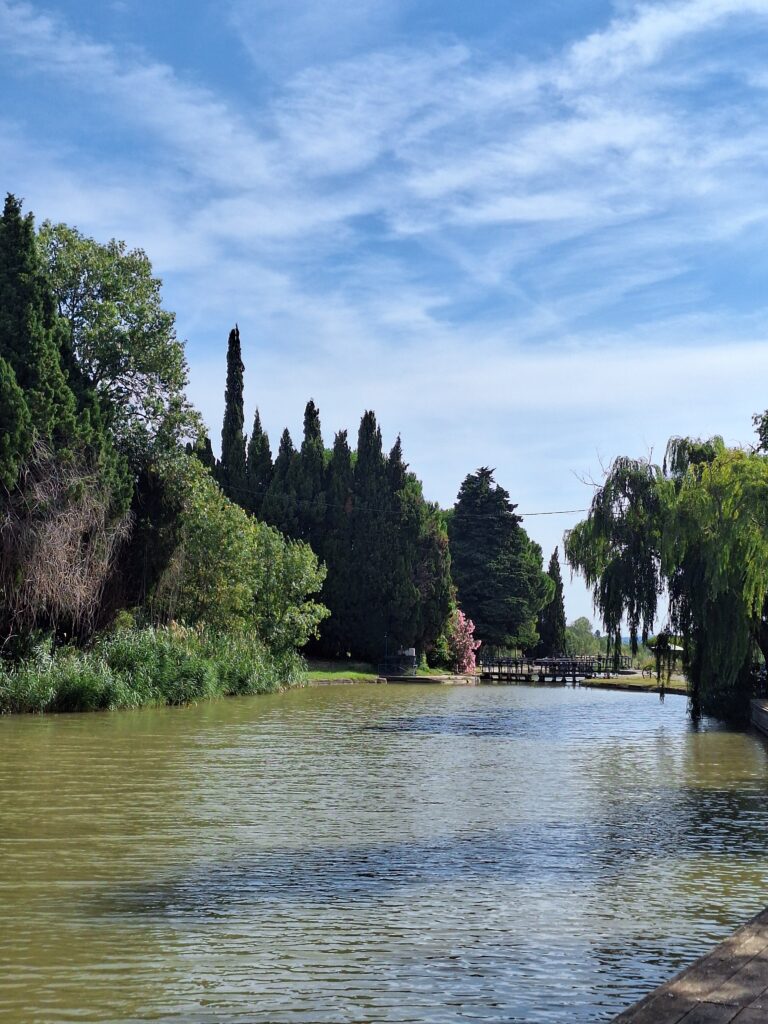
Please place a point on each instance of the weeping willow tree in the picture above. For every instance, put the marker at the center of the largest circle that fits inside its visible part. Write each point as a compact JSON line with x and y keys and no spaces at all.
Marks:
{"x":697,"y":528}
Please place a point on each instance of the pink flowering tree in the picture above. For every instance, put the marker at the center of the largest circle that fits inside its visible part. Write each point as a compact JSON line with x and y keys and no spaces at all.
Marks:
{"x":462,"y":643}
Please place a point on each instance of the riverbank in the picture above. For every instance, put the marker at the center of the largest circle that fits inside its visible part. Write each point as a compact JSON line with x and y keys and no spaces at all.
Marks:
{"x":638,"y":683}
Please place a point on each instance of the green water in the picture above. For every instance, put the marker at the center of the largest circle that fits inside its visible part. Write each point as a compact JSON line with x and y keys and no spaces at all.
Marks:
{"x":371,"y":854}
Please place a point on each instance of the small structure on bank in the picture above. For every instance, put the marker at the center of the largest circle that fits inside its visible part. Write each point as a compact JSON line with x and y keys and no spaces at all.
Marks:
{"x":401,"y":664}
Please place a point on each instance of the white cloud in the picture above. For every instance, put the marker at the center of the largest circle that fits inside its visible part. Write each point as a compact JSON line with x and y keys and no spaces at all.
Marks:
{"x":448,"y":238}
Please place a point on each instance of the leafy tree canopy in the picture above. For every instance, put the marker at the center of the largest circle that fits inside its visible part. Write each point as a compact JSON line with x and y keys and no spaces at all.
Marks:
{"x":119,"y":338}
{"x":696,"y":527}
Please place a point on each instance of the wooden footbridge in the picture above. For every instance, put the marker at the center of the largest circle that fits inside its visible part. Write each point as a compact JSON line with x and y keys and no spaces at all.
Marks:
{"x":556,"y":669}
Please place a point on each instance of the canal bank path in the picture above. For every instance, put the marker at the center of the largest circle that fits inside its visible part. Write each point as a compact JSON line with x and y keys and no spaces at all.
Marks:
{"x":727,"y":986}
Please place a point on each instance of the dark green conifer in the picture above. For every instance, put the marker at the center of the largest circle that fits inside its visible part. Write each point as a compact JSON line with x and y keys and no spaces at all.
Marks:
{"x":496,"y":567}
{"x":336,"y":551}
{"x":30,"y":333}
{"x":370,"y":543}
{"x":552,"y":616}
{"x":232,"y":464}
{"x":203,"y":450}
{"x":310,"y":480}
{"x":259,"y":467}
{"x":279,"y":508}
{"x":15,"y":426}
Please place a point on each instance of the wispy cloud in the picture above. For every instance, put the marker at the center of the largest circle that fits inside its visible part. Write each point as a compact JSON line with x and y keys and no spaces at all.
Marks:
{"x":503,"y":256}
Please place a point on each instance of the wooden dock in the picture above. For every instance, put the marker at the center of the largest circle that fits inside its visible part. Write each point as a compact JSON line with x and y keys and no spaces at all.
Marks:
{"x":727,"y":986}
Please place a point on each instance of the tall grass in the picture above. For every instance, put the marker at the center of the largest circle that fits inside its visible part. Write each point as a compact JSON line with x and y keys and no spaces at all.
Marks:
{"x":133,"y":668}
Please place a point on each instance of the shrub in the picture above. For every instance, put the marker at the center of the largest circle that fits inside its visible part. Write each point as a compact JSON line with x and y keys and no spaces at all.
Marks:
{"x":137,"y":667}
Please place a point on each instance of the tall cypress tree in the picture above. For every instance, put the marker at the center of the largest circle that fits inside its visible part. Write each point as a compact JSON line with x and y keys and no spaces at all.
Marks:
{"x":258,"y":472}
{"x":336,"y":551}
{"x":370,"y":542}
{"x":552,"y":615}
{"x":279,"y":507}
{"x":30,"y":333}
{"x":402,"y":530}
{"x":232,"y":463}
{"x":310,"y":480}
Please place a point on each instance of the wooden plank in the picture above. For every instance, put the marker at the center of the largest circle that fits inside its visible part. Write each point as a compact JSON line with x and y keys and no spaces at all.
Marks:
{"x":728,"y":984}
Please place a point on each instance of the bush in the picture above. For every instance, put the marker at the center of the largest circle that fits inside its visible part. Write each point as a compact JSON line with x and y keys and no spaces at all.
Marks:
{"x":152,"y":666}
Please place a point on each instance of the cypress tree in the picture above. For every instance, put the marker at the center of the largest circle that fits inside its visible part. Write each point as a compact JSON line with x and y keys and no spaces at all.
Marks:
{"x":370,"y":542}
{"x":203,"y":451}
{"x":15,"y":426}
{"x":336,"y":551}
{"x":30,"y":333}
{"x":552,"y":615}
{"x":310,"y":479}
{"x":258,"y":472}
{"x":496,"y":567}
{"x":232,"y":464}
{"x":279,"y":508}
{"x":402,"y":531}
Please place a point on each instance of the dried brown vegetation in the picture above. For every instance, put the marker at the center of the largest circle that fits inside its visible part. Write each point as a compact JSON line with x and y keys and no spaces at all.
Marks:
{"x":59,"y":539}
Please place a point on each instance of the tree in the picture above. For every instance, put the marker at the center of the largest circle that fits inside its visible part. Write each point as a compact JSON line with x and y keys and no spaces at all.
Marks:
{"x":310,"y":480}
{"x":30,"y":333}
{"x":496,"y":567}
{"x":280,"y":507}
{"x":258,"y":472}
{"x":117,"y":339}
{"x":695,"y":527}
{"x":370,"y":622}
{"x":580,"y":638}
{"x":336,"y":551}
{"x":552,"y":629}
{"x":203,"y":450}
{"x":232,"y":463}
{"x":230,"y":571}
{"x":15,"y":426}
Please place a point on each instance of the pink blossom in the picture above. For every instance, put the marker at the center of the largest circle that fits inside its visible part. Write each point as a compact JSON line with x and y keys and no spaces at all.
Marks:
{"x":462,"y":643}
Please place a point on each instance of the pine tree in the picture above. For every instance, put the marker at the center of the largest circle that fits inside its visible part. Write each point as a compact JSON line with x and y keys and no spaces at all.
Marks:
{"x":232,"y":464}
{"x":552,"y":616}
{"x":258,"y":472}
{"x":496,"y":567}
{"x":279,"y":508}
{"x":310,"y":480}
{"x":30,"y":333}
{"x":336,"y":551}
{"x":15,"y":426}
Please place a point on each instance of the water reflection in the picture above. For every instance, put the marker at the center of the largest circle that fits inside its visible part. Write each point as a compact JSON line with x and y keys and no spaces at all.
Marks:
{"x":371,"y":854}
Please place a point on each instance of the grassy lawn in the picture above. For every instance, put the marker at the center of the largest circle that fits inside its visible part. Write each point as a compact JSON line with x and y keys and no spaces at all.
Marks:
{"x":639,"y":683}
{"x":318,"y":669}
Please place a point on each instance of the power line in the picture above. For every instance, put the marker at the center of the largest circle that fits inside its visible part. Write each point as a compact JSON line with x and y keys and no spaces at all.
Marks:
{"x":247,"y":492}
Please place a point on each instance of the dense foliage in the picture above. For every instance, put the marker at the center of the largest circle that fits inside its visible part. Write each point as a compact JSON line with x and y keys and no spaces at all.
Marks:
{"x":132,"y":668}
{"x":696,"y":527}
{"x":102,"y":509}
{"x":385,"y":547}
{"x":118,"y":341}
{"x":497,"y":568}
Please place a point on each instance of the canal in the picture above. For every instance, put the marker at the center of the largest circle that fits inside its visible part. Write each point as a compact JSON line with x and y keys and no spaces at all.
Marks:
{"x":366,"y":854}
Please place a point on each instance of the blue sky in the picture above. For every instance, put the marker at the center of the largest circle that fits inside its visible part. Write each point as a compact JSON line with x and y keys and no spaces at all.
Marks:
{"x":531,"y":236}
